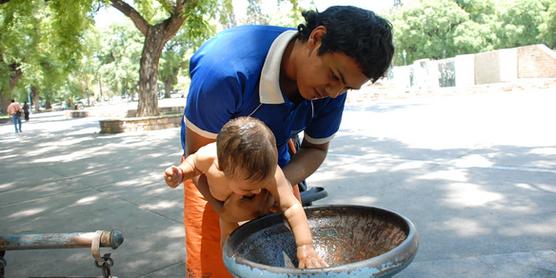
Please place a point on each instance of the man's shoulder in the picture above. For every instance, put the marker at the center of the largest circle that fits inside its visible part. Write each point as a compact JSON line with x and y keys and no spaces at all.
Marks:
{"x":268,"y":30}
{"x":241,"y":41}
{"x":238,"y":51}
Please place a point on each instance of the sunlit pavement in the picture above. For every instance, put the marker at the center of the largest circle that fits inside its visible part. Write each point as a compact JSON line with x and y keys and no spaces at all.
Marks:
{"x":476,"y":174}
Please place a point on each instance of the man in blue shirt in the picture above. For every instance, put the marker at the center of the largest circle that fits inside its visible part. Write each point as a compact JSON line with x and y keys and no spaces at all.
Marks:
{"x":292,"y":80}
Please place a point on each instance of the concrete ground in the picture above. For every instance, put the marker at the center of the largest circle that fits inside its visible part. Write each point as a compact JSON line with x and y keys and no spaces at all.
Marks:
{"x":475,"y":173}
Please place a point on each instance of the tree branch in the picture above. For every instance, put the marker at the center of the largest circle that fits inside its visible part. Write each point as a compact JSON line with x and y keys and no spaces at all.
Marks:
{"x":175,"y":21}
{"x":130,"y":12}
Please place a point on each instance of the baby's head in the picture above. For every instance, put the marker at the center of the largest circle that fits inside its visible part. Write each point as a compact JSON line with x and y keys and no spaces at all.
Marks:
{"x":247,"y":154}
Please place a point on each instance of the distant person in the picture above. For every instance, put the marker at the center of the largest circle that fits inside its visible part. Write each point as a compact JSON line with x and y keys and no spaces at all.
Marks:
{"x":14,"y":110}
{"x":243,"y":161}
{"x":26,"y":111}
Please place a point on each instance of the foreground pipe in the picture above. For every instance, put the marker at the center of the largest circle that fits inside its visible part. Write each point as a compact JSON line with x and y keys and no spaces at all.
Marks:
{"x":111,"y":239}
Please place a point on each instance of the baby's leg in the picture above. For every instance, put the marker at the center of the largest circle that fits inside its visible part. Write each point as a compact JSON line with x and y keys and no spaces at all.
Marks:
{"x":226,"y":228}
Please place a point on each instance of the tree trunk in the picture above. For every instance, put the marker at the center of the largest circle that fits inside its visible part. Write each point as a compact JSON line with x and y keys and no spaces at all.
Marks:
{"x":148,"y":71}
{"x":100,"y":99}
{"x":4,"y":101}
{"x":155,"y":38}
{"x":35,"y":97}
{"x":6,"y":96}
{"x":168,"y":88}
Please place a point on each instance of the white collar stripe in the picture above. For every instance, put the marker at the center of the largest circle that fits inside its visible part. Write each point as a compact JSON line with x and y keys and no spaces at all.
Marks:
{"x":199,"y":131}
{"x":269,"y":84}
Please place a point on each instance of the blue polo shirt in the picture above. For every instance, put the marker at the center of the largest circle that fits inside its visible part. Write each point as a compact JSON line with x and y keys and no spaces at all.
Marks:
{"x":237,"y":72}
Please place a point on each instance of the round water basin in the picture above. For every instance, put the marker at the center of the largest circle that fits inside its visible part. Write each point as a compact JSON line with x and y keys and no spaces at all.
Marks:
{"x":356,"y":241}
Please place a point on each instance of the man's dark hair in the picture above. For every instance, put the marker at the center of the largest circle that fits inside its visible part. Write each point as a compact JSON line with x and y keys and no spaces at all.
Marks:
{"x":358,"y":33}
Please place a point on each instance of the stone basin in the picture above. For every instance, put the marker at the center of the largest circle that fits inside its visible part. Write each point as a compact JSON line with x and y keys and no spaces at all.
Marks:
{"x":356,"y":241}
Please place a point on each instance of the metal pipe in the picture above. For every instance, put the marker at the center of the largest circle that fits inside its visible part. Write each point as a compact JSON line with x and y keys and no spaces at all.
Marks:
{"x":111,"y":239}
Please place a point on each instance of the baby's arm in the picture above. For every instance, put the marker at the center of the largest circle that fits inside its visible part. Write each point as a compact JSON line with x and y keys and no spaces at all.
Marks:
{"x":193,"y":165}
{"x":174,"y":175}
{"x":294,"y":213}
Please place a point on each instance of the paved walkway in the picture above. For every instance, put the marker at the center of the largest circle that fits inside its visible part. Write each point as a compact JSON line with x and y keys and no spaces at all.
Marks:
{"x":476,"y":174}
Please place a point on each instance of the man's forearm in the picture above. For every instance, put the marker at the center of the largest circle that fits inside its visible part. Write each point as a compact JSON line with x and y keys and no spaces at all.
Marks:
{"x":304,"y":163}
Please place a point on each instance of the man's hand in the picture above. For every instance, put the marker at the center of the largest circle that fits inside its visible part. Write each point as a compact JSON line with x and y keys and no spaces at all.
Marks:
{"x":173,"y":176}
{"x":308,"y":257}
{"x":239,"y":208}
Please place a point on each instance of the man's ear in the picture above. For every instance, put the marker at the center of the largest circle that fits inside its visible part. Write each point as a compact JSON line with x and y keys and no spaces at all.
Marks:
{"x":315,"y":38}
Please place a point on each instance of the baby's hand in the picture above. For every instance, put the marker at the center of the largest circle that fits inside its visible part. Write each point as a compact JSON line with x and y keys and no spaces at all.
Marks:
{"x":173,"y":176}
{"x":308,"y":257}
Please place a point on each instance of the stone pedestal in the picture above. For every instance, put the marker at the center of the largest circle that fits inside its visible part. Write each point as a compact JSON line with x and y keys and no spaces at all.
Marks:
{"x":111,"y":126}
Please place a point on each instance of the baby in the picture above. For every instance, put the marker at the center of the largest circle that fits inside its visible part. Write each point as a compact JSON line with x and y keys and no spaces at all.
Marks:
{"x":243,"y":161}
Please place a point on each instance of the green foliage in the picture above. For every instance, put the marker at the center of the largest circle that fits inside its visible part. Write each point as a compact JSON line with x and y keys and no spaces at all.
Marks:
{"x":295,"y":12}
{"x":175,"y":57}
{"x":446,"y":28}
{"x":18,"y":34}
{"x":548,"y":27}
{"x":226,"y":14}
{"x":480,"y":11}
{"x":519,"y":21}
{"x":254,"y":13}
{"x":282,"y":13}
{"x":430,"y":31}
{"x":118,"y":60}
{"x":43,"y":40}
{"x":70,"y":20}
{"x":52,"y":47}
{"x":154,"y":11}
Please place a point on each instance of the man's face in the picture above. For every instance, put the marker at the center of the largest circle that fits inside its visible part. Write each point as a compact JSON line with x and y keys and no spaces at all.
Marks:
{"x":328,"y":75}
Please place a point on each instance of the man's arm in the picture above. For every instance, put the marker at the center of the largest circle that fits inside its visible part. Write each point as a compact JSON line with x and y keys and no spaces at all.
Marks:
{"x":226,"y":228}
{"x":305,"y":162}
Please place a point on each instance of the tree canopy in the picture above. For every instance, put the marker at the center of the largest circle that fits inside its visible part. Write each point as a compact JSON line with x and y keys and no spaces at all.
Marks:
{"x":40,"y":44}
{"x":444,"y":28}
{"x":52,"y":50}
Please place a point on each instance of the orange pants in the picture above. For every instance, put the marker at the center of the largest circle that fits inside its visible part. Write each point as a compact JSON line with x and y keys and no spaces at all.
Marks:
{"x":202,"y":235}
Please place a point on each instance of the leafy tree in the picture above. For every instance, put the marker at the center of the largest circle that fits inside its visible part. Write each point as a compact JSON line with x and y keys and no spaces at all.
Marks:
{"x":40,"y":44}
{"x":195,"y":13}
{"x":519,"y":22}
{"x":548,"y":26}
{"x":255,"y":14}
{"x":176,"y":53}
{"x":118,"y":60}
{"x":46,"y":43}
{"x":17,"y":35}
{"x":435,"y":29}
{"x":445,"y":28}
{"x":480,"y":11}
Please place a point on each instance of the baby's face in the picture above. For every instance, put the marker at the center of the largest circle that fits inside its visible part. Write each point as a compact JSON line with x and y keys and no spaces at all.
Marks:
{"x":244,"y":187}
{"x":240,"y":186}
